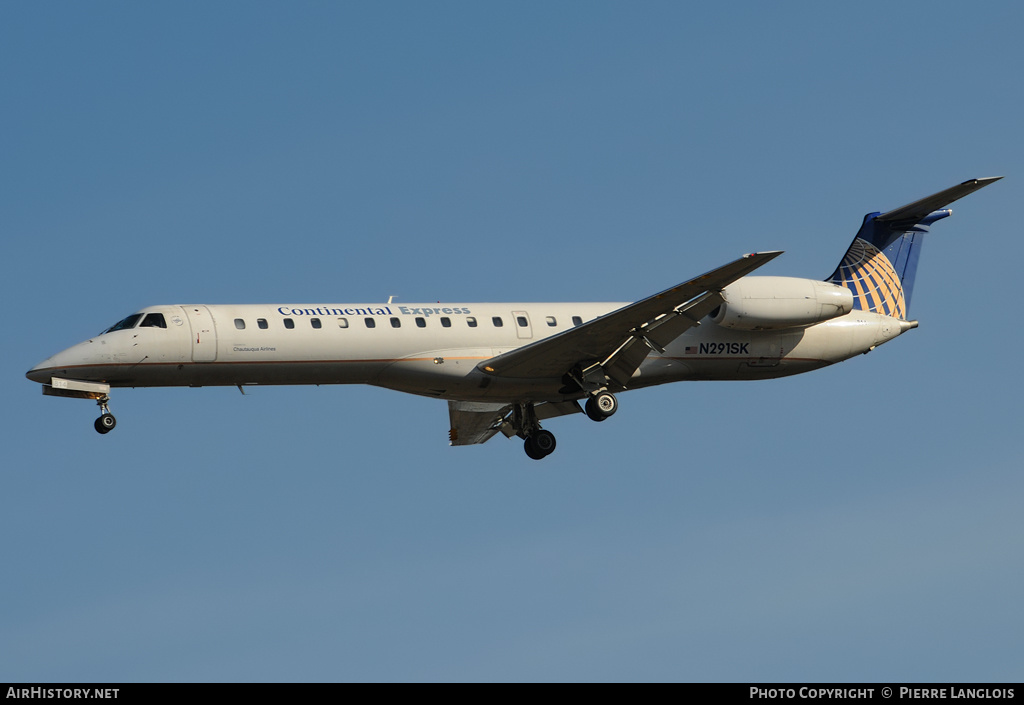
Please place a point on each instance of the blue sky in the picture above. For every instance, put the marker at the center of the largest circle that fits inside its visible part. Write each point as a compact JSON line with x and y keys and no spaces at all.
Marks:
{"x":860,"y":523}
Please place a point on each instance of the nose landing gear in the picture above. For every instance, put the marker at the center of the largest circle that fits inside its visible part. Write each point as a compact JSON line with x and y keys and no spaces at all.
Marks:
{"x":80,"y":389}
{"x":106,"y":422}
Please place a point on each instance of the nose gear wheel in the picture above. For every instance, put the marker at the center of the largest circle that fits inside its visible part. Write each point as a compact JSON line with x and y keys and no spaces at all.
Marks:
{"x":106,"y":422}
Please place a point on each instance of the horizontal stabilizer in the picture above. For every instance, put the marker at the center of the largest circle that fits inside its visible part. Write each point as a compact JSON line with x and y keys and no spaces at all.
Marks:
{"x":919,"y":209}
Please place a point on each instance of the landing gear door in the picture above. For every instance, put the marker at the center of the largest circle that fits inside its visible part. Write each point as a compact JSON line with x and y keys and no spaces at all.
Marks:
{"x":204,"y":333}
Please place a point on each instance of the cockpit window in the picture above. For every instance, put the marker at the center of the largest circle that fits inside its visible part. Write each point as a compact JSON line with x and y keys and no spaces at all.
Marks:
{"x":153,"y":320}
{"x":124,"y":323}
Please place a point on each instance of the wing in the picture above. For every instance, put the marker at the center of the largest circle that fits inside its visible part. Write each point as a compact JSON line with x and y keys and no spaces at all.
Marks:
{"x":475,"y":422}
{"x":619,"y":341}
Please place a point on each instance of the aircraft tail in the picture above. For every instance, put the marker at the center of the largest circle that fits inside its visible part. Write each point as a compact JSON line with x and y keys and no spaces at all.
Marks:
{"x":880,"y":266}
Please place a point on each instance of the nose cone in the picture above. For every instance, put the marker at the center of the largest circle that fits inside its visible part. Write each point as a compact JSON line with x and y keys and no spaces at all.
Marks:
{"x":42,"y":372}
{"x":66,"y":363}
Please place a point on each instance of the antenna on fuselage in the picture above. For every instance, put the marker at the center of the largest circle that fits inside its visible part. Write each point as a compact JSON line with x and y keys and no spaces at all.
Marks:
{"x":391,"y":298}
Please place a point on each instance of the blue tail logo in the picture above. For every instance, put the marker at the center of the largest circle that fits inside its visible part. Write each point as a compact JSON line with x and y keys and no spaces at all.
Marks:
{"x":880,"y":266}
{"x":868,"y":273}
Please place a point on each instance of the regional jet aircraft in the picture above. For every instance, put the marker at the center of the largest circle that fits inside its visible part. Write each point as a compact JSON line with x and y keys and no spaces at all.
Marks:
{"x":504,"y":368}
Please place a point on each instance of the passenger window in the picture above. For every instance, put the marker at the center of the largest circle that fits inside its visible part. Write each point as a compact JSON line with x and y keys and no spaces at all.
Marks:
{"x":496,"y":320}
{"x":446,"y":322}
{"x":471,"y":321}
{"x":551,"y":321}
{"x":262,"y":323}
{"x":315,"y":322}
{"x":370,"y":323}
{"x":421,"y":322}
{"x":577,"y":321}
{"x":342,"y":323}
{"x":521,"y":322}
{"x":239,"y":324}
{"x":289,"y":323}
{"x":396,"y":323}
{"x":153,"y":320}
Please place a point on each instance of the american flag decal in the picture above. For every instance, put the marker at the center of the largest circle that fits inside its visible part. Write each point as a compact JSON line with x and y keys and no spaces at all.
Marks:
{"x":691,"y":350}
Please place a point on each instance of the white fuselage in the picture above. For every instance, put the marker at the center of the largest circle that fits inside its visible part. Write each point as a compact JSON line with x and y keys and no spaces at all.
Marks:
{"x":427,"y":349}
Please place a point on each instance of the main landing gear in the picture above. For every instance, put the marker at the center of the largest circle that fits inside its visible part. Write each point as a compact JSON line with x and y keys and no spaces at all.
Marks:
{"x":537,"y":442}
{"x":523,"y":422}
{"x":601,"y":406}
{"x":106,"y":422}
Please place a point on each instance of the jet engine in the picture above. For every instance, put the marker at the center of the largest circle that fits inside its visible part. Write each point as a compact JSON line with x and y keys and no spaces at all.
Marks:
{"x":769,"y":303}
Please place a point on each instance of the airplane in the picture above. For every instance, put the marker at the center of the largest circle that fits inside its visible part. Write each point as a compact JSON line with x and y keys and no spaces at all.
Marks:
{"x":504,"y":368}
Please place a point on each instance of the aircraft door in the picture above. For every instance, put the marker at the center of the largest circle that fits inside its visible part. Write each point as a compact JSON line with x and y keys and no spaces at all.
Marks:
{"x":522,"y":323}
{"x":204,"y":333}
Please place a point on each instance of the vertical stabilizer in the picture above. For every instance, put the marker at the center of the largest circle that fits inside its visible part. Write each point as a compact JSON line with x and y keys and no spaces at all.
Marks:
{"x":881,"y":264}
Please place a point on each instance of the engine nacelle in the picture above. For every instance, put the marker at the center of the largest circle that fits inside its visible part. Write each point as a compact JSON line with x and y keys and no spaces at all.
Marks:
{"x":769,"y":303}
